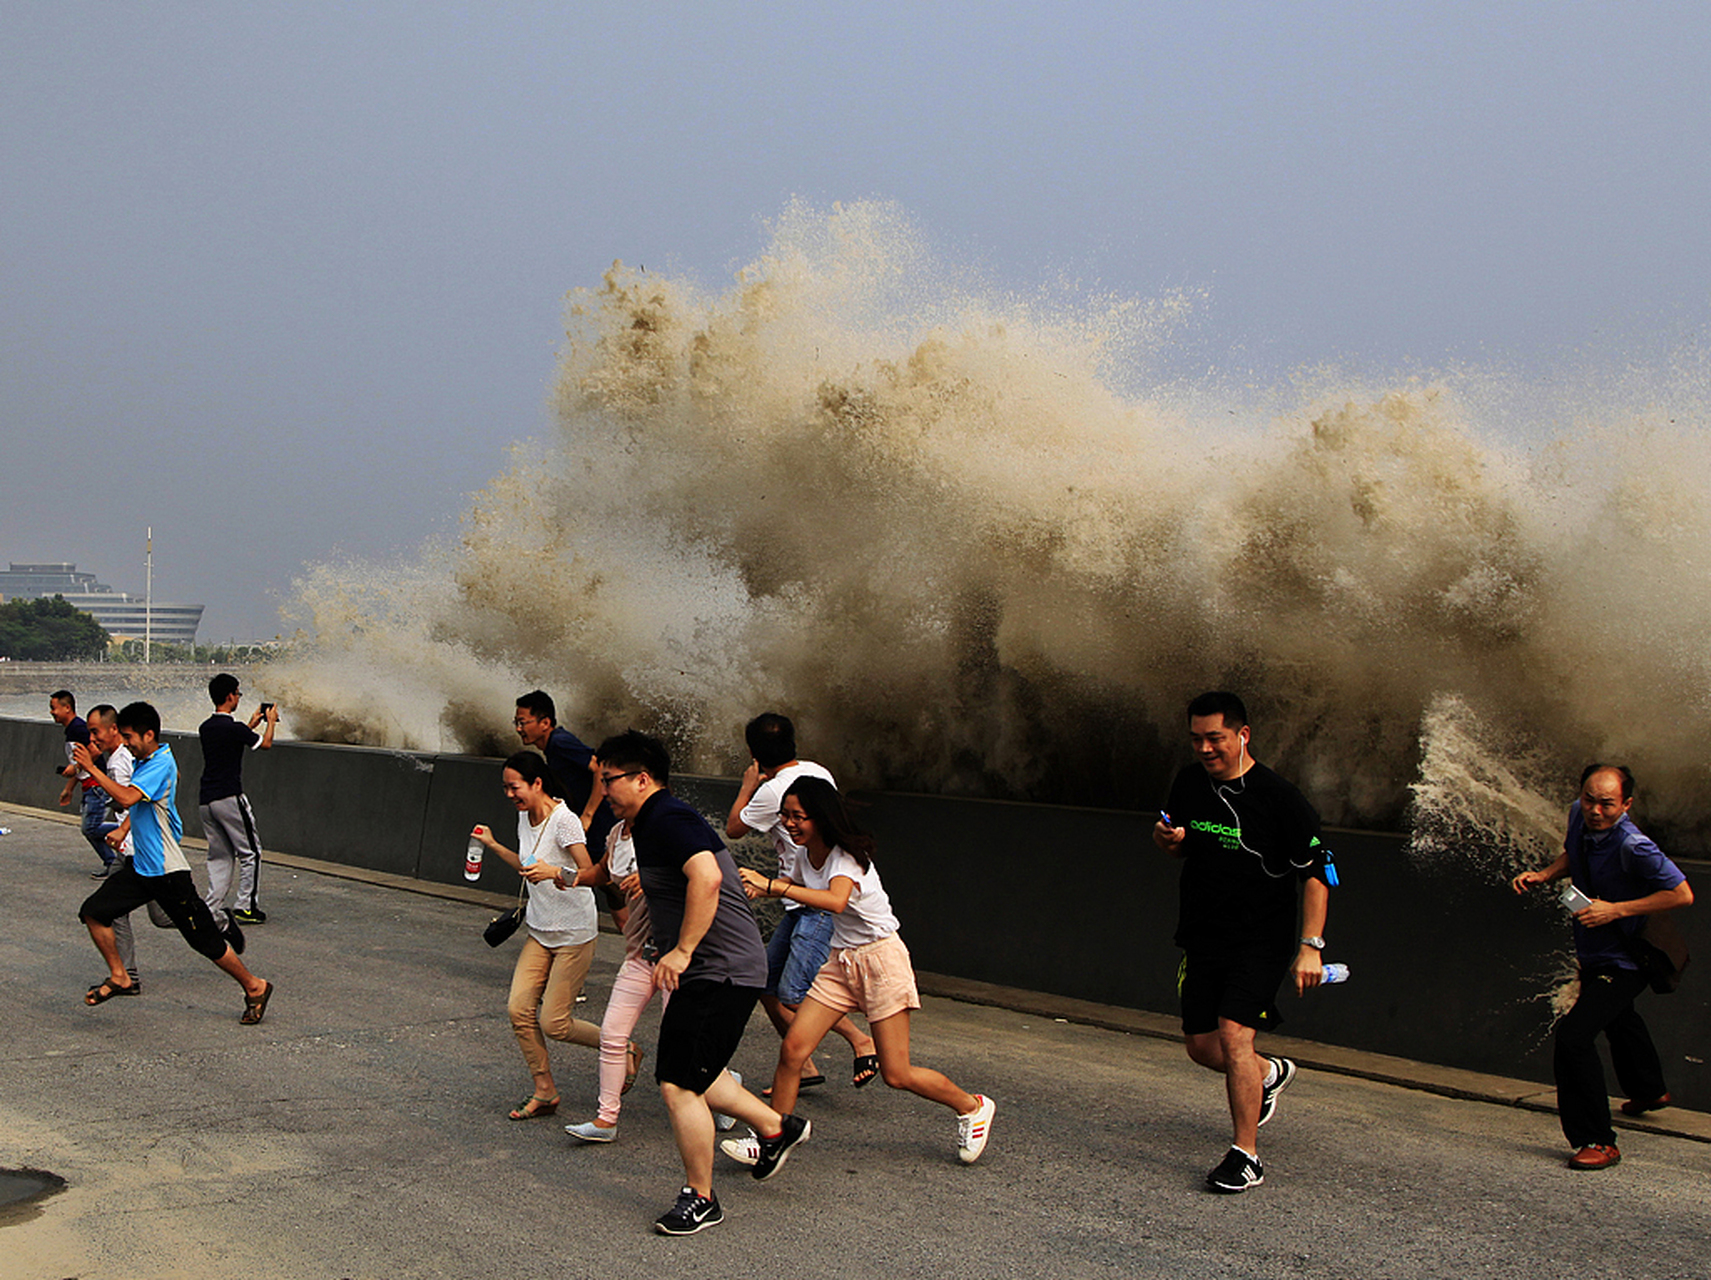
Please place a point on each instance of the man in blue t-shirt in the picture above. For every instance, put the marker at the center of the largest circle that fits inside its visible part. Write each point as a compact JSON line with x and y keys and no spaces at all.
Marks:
{"x":711,"y":961}
{"x":157,"y":870}
{"x":1624,"y":877}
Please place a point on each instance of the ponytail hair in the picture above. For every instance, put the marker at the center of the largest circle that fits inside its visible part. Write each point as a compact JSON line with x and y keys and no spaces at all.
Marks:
{"x":831,"y":818}
{"x":533,"y":768}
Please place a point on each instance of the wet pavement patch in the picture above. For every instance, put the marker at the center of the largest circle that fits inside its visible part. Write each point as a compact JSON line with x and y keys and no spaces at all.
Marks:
{"x":23,"y":1190}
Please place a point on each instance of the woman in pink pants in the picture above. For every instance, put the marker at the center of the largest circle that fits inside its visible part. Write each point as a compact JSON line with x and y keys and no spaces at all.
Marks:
{"x":632,"y":988}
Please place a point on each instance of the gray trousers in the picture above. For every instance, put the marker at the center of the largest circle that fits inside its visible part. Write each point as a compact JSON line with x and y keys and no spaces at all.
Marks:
{"x":123,"y":938}
{"x":229,"y":824}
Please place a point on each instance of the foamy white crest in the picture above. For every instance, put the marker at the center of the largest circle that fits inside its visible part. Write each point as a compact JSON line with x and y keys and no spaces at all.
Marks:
{"x":920,"y":518}
{"x":1482,"y":796}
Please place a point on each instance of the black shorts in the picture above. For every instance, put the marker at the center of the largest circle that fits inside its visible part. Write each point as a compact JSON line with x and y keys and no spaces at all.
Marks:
{"x":699,"y":1032}
{"x":1241,"y":986}
{"x":124,"y":890}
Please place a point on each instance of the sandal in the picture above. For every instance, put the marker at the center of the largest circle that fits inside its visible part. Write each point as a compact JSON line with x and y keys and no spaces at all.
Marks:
{"x":632,"y":1065}
{"x":806,"y":1082}
{"x":531,"y":1107}
{"x":105,"y":990}
{"x":866,"y":1069}
{"x":255,"y":1007}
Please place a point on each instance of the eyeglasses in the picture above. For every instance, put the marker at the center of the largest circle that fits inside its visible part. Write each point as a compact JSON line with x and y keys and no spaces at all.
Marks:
{"x":607,"y":779}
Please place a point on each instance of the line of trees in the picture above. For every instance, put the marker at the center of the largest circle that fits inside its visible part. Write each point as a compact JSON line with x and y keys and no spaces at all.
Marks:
{"x":47,"y":629}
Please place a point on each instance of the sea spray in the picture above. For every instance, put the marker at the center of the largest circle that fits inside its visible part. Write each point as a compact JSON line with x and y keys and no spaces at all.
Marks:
{"x":955,"y":536}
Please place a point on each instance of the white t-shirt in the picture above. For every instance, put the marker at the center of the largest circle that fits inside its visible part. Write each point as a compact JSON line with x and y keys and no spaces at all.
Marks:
{"x":620,"y":862}
{"x":761,"y":814}
{"x":556,"y":917}
{"x":119,"y":768}
{"x":867,"y":917}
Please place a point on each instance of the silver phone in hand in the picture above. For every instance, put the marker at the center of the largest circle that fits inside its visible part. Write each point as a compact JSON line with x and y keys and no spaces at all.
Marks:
{"x":1574,"y":899}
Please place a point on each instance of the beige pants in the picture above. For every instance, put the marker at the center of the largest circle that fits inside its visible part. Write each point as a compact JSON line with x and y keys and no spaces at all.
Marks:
{"x":544,"y":987}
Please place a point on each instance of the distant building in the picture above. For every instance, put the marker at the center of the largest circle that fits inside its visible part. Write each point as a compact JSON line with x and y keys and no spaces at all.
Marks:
{"x":125,"y":617}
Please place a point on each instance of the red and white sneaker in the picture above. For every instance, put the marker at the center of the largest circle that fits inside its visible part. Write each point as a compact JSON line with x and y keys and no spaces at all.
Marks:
{"x":973,"y":1129}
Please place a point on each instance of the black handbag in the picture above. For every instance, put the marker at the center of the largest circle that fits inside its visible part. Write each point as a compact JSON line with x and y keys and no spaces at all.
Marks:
{"x":503,"y":926}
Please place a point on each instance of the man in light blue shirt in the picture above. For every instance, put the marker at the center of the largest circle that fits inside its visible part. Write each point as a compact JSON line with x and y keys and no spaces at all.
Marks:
{"x":157,"y":870}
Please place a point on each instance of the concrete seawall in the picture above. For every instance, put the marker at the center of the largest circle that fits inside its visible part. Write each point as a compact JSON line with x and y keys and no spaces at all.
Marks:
{"x":44,"y":677}
{"x":1449,"y":967}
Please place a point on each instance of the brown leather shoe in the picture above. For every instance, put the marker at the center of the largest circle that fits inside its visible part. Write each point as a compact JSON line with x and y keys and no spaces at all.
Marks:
{"x":1634,"y":1107}
{"x":1596,"y":1156}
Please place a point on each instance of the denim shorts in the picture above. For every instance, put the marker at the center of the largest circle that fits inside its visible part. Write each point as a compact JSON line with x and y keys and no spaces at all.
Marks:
{"x":796,"y":951}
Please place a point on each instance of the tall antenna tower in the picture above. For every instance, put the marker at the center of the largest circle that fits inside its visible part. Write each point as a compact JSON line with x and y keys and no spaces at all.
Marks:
{"x":148,"y":597}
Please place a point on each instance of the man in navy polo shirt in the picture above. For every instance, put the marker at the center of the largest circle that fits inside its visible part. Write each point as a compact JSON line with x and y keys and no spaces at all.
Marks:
{"x":227,"y":818}
{"x":568,"y":757}
{"x":62,"y":706}
{"x":711,"y":964}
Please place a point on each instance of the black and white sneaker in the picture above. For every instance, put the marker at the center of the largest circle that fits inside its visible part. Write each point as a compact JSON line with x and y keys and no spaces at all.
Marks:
{"x":690,"y":1214}
{"x":1268,"y":1098}
{"x":773,"y":1151}
{"x":1235,"y":1173}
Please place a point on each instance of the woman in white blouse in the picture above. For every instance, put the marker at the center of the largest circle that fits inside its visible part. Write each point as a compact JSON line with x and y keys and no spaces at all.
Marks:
{"x":552,"y":851}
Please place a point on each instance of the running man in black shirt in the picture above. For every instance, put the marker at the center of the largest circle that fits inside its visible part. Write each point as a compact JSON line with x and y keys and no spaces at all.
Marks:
{"x":1246,"y":839}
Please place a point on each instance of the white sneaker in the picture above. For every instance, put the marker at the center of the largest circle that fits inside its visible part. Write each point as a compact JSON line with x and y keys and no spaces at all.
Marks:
{"x":742,"y":1150}
{"x":588,"y":1131}
{"x":972,"y":1130}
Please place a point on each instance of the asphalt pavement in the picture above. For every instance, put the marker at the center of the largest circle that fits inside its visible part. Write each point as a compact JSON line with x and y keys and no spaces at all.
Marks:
{"x":360,"y":1131}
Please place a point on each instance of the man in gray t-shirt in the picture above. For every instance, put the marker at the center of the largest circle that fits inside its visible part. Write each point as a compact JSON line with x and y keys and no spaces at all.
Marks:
{"x":711,"y":961}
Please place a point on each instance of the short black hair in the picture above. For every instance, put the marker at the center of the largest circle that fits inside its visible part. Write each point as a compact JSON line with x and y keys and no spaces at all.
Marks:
{"x":222,"y":687}
{"x":65,"y":696}
{"x":1220,"y":702}
{"x":1620,"y":770}
{"x":140,"y":718}
{"x":634,"y":749}
{"x":539,"y":704}
{"x":104,"y":710}
{"x":771,"y":738}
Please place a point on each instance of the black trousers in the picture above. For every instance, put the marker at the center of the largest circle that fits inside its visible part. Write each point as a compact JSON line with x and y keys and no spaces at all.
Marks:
{"x":1606,"y":1004}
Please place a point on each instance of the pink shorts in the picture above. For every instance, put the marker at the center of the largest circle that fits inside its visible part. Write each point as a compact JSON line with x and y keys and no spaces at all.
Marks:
{"x":875,"y":978}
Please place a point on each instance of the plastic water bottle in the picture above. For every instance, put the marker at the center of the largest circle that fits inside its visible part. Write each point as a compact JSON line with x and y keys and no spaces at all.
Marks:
{"x":472,"y":859}
{"x":5,"y":831}
{"x":1334,"y":973}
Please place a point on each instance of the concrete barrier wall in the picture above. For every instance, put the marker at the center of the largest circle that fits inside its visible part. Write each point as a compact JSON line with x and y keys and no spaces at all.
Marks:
{"x":1448,"y":966}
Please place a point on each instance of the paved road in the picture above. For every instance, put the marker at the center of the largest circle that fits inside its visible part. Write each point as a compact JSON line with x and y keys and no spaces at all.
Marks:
{"x":360,"y":1132}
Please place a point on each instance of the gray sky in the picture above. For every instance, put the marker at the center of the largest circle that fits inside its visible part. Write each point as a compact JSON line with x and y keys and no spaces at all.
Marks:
{"x":283,"y":280}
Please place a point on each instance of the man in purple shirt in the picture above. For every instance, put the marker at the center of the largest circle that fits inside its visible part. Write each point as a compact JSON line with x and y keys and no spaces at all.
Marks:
{"x":1623,"y":878}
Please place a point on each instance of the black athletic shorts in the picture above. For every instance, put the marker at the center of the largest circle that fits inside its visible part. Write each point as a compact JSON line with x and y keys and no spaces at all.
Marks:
{"x":699,"y":1032}
{"x":124,"y":890}
{"x":1241,"y":986}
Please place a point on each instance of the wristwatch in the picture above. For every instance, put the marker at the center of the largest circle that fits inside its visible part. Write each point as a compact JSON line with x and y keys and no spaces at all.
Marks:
{"x":1317,"y":943}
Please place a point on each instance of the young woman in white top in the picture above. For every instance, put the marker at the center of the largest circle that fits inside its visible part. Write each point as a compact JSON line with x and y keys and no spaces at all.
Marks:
{"x":868,"y":969}
{"x":552,"y":853}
